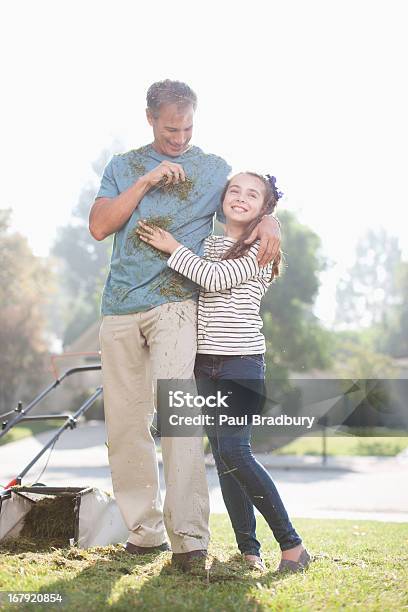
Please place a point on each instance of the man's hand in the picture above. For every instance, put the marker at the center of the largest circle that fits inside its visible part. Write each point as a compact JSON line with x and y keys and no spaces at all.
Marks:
{"x":108,"y":215}
{"x":157,"y":238}
{"x":172,"y":173}
{"x":268,"y":232}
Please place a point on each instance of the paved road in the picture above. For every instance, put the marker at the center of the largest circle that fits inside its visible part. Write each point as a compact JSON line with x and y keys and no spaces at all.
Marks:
{"x":352,"y":488}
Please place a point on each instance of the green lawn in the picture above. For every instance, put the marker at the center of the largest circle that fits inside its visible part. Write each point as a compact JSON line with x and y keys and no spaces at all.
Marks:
{"x":358,"y":565}
{"x":384,"y":445}
{"x":29,"y":429}
{"x":388,"y":444}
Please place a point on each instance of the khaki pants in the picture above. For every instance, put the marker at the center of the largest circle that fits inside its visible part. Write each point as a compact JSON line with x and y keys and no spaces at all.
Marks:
{"x":138,"y":349}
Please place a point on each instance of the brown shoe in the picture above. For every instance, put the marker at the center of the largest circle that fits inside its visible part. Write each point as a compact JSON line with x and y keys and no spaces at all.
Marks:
{"x":188,"y":561}
{"x":145,"y":550}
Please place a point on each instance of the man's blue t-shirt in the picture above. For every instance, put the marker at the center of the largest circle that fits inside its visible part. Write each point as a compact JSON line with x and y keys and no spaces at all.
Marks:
{"x":139,"y":278}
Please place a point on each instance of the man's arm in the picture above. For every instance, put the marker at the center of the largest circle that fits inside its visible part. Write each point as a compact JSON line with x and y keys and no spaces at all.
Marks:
{"x":268,"y":232}
{"x":108,"y":215}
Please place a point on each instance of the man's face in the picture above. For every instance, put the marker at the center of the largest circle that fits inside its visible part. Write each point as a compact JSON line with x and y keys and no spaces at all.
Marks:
{"x":172,"y":128}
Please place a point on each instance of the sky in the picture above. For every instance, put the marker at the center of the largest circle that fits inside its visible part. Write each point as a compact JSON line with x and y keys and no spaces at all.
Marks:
{"x":312,"y":92}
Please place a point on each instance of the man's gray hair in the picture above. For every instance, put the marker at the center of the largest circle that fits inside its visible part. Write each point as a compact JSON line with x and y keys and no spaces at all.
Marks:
{"x":169,"y":92}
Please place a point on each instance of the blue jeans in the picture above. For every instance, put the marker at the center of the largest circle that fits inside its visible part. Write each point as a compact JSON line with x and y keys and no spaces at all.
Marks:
{"x":244,"y":481}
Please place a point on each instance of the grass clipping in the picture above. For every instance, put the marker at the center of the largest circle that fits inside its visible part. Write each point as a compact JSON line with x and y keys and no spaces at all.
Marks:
{"x":135,"y":243}
{"x":50,"y":518}
{"x":180,"y":190}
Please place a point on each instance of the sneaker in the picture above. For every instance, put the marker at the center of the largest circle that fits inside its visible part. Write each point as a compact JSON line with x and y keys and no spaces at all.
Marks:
{"x":255,"y":562}
{"x":295,"y":566}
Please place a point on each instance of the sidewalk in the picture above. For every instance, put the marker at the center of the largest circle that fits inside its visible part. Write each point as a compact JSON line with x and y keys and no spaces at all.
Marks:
{"x":345,"y":487}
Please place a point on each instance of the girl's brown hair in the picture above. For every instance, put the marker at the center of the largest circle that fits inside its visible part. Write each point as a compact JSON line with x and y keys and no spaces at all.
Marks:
{"x":271,"y":197}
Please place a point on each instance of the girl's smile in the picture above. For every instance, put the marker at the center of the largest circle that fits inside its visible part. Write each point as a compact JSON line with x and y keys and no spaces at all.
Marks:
{"x":239,"y":208}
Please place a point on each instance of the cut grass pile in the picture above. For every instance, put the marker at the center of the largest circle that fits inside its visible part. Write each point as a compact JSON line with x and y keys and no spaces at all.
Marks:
{"x":359,"y":565}
{"x":51,"y":517}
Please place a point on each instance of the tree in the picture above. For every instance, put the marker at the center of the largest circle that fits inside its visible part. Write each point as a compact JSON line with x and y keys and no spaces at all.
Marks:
{"x":373,"y":296}
{"x":392,"y":336}
{"x":82,"y":269}
{"x":295,"y":338}
{"x":24,"y":288}
{"x":356,"y":358}
{"x":82,"y":264}
{"x":368,"y":290}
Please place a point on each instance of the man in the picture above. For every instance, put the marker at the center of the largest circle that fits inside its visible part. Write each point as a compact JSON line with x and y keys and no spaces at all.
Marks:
{"x":148,"y":330}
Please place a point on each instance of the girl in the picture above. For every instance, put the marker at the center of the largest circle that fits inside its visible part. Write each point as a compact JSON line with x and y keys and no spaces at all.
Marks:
{"x":231,"y":347}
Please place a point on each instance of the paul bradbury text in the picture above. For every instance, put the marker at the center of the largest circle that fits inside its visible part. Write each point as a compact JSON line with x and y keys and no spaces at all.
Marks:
{"x":281,"y":420}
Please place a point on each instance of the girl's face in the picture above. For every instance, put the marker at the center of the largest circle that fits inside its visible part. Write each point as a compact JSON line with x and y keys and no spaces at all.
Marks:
{"x":244,"y":199}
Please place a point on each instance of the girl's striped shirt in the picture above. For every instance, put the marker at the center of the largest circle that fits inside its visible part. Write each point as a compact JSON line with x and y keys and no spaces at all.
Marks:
{"x":229,"y":322}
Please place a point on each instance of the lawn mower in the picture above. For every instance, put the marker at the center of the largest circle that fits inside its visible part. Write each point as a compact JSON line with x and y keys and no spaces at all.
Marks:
{"x":81,"y":516}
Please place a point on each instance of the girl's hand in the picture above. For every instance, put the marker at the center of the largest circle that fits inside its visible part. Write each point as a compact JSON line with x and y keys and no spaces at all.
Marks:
{"x":157,"y":238}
